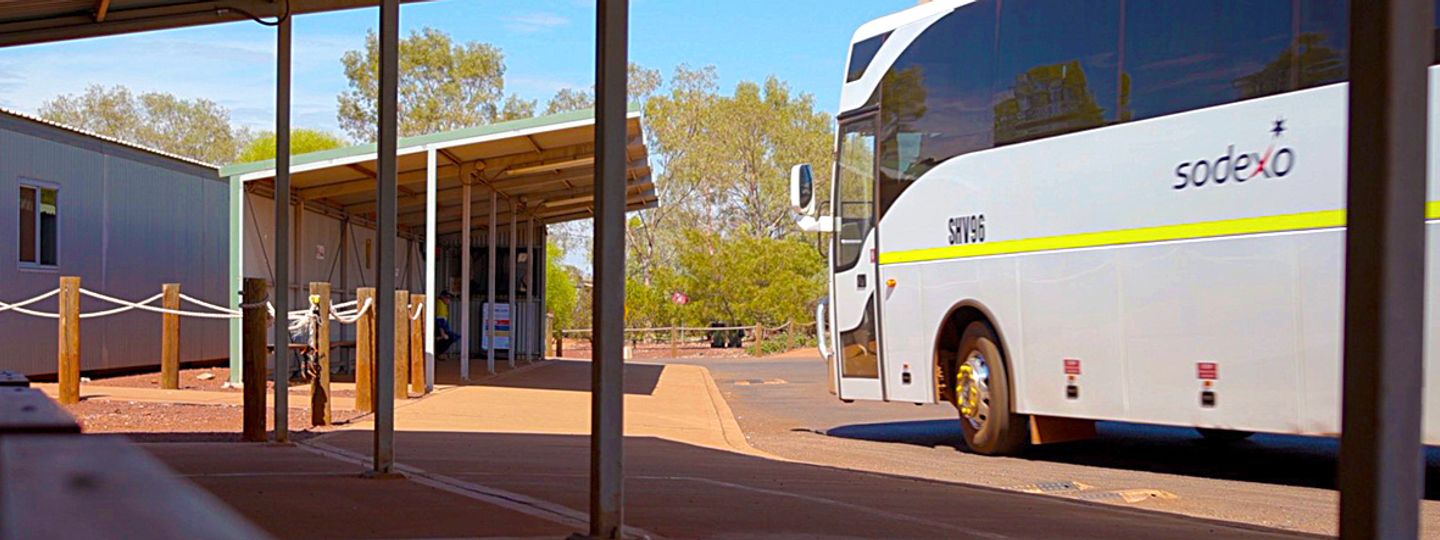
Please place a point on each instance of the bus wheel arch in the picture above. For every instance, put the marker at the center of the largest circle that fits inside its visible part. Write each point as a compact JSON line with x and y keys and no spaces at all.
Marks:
{"x":974,"y":374}
{"x":947,"y":340}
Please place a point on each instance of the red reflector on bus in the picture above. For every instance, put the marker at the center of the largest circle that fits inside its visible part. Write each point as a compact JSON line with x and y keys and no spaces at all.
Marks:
{"x":1207,"y":370}
{"x":1072,"y":366}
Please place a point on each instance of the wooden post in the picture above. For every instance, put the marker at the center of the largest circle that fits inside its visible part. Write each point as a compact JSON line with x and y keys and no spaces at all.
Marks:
{"x":545,"y":342}
{"x":674,"y":342}
{"x":417,"y":345}
{"x":170,"y":339}
{"x":402,"y":344}
{"x":759,"y":340}
{"x":253,"y":347}
{"x":320,"y":385}
{"x":365,"y":353}
{"x":69,"y":368}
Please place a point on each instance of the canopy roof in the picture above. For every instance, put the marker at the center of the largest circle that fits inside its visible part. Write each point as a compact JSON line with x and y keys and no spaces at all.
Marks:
{"x":38,"y":21}
{"x":539,"y":167}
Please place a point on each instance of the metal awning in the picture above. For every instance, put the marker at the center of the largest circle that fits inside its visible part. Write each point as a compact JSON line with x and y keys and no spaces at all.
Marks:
{"x":24,"y":22}
{"x":543,"y":166}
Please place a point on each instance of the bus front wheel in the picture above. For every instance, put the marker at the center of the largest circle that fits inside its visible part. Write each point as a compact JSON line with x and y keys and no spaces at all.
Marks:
{"x":982,"y":395}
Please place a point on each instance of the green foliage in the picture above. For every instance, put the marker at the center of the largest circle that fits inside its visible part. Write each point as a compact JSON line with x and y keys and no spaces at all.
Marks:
{"x":198,"y":129}
{"x":777,"y":343}
{"x":641,"y":82}
{"x":444,"y":86}
{"x":737,"y":279}
{"x":724,"y":233}
{"x":560,"y":294}
{"x":302,"y":141}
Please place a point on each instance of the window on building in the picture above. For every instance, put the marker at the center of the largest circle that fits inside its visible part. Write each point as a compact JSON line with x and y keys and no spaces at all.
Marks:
{"x":39,"y":225}
{"x":1056,"y":68}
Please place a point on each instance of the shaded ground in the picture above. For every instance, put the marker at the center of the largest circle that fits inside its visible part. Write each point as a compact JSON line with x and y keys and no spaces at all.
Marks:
{"x":508,"y":456}
{"x":785,"y":408}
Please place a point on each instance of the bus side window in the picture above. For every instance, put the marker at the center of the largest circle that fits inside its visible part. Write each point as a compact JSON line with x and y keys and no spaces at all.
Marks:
{"x":1056,"y":68}
{"x":1323,"y":46}
{"x":1181,"y":56}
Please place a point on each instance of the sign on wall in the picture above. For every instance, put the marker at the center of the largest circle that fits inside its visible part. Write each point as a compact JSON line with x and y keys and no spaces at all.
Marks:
{"x":502,"y":326}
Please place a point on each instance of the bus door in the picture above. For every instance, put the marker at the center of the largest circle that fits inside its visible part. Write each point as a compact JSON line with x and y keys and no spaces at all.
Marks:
{"x":852,"y":307}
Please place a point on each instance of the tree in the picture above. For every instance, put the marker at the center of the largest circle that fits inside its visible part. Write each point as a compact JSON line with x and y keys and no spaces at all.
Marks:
{"x":734,"y":279}
{"x":724,"y":161}
{"x":641,"y":83}
{"x":444,"y":86}
{"x":198,"y":129}
{"x":302,"y":141}
{"x":561,"y":298}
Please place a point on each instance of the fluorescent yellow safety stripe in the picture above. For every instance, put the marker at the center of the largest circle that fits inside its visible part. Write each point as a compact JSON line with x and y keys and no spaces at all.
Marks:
{"x":1323,"y":219}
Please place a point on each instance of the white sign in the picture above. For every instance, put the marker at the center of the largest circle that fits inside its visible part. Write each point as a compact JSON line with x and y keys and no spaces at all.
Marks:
{"x":502,"y":326}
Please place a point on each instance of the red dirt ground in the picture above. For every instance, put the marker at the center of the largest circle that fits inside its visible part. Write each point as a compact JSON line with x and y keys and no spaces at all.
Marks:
{"x":189,"y":380}
{"x":171,"y":421}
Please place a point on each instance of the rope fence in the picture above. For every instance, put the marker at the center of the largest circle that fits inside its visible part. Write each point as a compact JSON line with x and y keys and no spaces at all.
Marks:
{"x":306,"y":327}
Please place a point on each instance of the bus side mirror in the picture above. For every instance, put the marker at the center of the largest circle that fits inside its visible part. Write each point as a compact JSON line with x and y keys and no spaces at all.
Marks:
{"x":802,"y":189}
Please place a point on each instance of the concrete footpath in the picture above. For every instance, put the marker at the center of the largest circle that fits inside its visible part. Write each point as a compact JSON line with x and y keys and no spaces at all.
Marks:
{"x":508,"y":456}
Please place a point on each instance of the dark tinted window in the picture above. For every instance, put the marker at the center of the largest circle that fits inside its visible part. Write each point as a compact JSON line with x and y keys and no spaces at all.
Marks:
{"x":935,"y":100}
{"x":1323,"y":45}
{"x":1181,"y":56}
{"x":1057,"y":67}
{"x":861,"y":55}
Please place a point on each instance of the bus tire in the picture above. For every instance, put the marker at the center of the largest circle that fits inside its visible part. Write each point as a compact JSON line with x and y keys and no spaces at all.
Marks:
{"x":1223,"y":435}
{"x":981,"y":380}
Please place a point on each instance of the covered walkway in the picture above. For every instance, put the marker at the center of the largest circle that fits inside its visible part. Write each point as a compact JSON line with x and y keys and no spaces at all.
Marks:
{"x":501,"y":183}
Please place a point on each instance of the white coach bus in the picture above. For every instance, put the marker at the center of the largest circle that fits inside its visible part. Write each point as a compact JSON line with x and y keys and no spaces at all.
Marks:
{"x":1054,"y":212}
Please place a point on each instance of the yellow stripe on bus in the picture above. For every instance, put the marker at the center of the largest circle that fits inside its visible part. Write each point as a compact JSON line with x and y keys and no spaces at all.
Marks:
{"x":1305,"y":221}
{"x":1323,"y":219}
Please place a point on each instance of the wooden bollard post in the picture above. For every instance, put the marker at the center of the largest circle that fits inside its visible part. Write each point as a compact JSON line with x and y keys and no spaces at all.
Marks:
{"x":417,"y":344}
{"x":170,"y":339}
{"x":674,"y":342}
{"x":69,"y":359}
{"x":320,"y":384}
{"x":402,"y":344}
{"x":365,"y":353}
{"x":549,"y":330}
{"x":759,"y":340}
{"x":253,"y":346}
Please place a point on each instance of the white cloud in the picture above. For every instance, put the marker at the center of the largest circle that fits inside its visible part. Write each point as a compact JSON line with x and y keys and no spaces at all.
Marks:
{"x":534,"y":22}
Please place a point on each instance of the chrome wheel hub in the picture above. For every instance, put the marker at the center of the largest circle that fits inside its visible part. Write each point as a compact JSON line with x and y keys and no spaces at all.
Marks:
{"x":972,"y":384}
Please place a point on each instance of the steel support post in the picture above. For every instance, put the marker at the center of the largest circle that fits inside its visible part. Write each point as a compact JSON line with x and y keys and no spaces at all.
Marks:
{"x":281,"y":373}
{"x":489,"y":312}
{"x":467,"y":241}
{"x":1381,"y":471}
{"x":534,"y":314}
{"x":510,"y":293}
{"x":607,"y":497}
{"x":237,"y":276}
{"x":432,"y":296}
{"x":384,"y":459}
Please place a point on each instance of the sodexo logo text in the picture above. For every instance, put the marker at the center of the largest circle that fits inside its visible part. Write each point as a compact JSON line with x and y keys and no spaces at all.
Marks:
{"x":1276,"y":161}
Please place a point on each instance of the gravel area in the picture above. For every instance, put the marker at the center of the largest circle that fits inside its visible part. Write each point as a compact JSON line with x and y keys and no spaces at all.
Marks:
{"x":207,"y":379}
{"x":176,"y":421}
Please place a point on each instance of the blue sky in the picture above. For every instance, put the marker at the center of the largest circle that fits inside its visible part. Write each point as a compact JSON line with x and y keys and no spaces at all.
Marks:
{"x":548,"y":44}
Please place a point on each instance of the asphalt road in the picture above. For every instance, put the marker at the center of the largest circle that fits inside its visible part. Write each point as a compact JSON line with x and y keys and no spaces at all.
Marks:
{"x":1285,"y":482}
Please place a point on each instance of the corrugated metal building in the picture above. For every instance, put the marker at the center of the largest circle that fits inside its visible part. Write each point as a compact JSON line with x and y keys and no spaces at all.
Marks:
{"x":127,"y":220}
